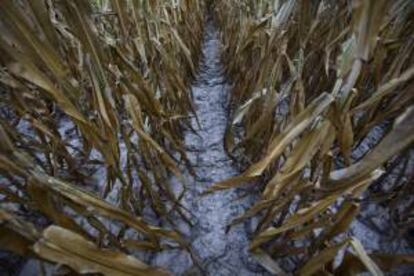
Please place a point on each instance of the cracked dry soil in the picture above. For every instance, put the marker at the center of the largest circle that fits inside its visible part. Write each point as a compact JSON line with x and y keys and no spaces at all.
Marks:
{"x":220,"y":253}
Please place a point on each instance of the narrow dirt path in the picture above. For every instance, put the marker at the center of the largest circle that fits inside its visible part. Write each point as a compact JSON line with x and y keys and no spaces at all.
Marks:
{"x":220,"y":253}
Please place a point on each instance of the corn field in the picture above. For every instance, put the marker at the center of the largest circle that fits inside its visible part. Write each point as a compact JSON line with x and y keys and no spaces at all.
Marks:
{"x":98,"y":111}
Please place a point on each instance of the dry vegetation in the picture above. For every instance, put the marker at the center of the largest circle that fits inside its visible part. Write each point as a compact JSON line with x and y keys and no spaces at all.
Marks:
{"x":118,"y":74}
{"x":102,"y":89}
{"x":311,"y":80}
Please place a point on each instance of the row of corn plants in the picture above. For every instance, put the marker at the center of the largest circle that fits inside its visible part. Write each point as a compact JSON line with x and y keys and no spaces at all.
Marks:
{"x":94,"y":101}
{"x":311,"y":80}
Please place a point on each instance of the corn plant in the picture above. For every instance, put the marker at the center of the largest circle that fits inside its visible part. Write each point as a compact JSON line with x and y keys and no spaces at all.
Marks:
{"x":311,"y":81}
{"x":94,"y":99}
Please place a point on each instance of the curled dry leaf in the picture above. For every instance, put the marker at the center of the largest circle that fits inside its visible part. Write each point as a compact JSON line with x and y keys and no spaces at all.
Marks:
{"x":65,"y":247}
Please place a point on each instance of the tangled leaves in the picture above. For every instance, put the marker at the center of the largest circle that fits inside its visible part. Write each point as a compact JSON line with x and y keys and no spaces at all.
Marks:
{"x":96,"y":92}
{"x":311,"y":80}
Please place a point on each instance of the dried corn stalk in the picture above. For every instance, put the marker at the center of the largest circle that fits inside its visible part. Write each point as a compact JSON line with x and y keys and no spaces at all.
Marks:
{"x":95,"y":98}
{"x":311,"y":80}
